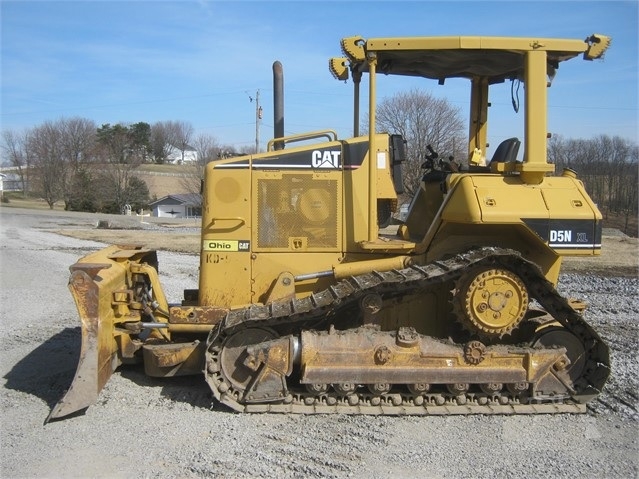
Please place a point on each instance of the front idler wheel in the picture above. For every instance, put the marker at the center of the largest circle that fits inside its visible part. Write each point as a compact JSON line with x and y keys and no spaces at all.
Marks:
{"x":237,"y":371}
{"x":550,"y":337}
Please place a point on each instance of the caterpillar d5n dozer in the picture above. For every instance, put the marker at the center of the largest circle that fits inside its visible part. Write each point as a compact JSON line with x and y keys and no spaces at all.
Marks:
{"x":305,"y":306}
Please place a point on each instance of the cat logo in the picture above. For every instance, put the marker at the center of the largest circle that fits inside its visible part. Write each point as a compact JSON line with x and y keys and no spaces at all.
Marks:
{"x":325,"y":159}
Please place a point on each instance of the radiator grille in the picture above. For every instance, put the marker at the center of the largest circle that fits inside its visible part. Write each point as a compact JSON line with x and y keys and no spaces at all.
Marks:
{"x":297,"y":212}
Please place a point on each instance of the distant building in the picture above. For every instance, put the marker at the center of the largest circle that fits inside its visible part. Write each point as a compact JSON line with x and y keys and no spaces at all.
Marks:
{"x":177,"y":156}
{"x":185,"y":205}
{"x":10,"y":182}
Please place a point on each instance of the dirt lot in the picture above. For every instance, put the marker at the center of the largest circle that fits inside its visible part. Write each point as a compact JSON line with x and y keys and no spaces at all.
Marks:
{"x":143,"y":427}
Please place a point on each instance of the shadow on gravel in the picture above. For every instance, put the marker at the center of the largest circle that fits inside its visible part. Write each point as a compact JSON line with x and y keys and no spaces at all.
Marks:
{"x":47,"y":371}
{"x":191,"y":390}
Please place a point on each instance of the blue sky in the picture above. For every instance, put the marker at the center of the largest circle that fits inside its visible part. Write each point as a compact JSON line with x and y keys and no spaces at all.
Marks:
{"x":131,"y":61}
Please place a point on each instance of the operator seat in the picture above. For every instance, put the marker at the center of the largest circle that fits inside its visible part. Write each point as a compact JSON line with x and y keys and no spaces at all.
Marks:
{"x":506,"y":151}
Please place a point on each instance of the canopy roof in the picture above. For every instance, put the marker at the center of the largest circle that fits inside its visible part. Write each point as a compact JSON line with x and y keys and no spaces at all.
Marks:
{"x":495,"y":58}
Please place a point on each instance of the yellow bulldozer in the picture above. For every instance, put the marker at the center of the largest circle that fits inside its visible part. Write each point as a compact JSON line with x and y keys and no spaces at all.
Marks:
{"x":307,"y":304}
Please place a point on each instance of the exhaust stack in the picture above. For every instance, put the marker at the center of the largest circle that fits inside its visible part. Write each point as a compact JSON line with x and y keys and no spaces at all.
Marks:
{"x":278,"y":103}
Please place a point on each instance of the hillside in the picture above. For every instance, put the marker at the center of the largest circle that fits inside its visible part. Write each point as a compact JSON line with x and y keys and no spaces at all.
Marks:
{"x":165,"y":180}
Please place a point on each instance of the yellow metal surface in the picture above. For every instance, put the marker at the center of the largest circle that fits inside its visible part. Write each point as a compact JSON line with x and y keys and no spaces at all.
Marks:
{"x":195,"y":315}
{"x":353,"y":48}
{"x":372,"y":152}
{"x":561,"y":46}
{"x":478,"y":124}
{"x":536,"y":118}
{"x":282,"y":288}
{"x":461,"y":205}
{"x":502,"y":200}
{"x":390,"y":246}
{"x":225,"y":276}
{"x":338,"y":68}
{"x":345,"y":270}
{"x":598,"y":44}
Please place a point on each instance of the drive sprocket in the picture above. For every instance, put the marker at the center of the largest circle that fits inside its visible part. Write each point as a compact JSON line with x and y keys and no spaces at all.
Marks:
{"x":491,"y":302}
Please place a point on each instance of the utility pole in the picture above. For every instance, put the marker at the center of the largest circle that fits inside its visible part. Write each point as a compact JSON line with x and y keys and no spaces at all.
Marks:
{"x":258,"y":117}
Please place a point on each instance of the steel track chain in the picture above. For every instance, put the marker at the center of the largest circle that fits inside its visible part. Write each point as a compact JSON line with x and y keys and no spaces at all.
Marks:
{"x":305,"y":312}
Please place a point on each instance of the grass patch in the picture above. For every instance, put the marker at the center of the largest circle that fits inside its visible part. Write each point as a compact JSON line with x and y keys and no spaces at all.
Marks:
{"x":16,"y":200}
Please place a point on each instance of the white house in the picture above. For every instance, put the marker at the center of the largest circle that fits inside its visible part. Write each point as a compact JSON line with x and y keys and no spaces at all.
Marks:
{"x":186,"y":205}
{"x":176,"y":156}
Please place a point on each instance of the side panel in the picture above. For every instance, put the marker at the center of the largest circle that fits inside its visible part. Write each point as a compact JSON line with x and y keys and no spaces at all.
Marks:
{"x":558,"y":211}
{"x":506,"y":200}
{"x":225,"y":276}
{"x":575,"y":226}
{"x":355,"y":213}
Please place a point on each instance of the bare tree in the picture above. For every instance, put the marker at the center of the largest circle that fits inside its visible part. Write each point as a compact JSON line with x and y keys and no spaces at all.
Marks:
{"x":609,"y":168}
{"x":46,"y":148}
{"x":78,"y":138}
{"x":422,"y":120}
{"x":184,"y":133}
{"x":14,"y":145}
{"x":207,"y":149}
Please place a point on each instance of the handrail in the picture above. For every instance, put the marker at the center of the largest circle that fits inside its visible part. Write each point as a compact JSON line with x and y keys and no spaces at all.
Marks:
{"x":329,"y":134}
{"x":229,"y":218}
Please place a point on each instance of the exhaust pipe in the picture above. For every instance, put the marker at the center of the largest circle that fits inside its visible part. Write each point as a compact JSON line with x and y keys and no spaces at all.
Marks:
{"x":278,"y":104}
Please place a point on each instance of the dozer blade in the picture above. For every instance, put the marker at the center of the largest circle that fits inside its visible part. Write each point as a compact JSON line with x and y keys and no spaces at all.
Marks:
{"x":94,"y":282}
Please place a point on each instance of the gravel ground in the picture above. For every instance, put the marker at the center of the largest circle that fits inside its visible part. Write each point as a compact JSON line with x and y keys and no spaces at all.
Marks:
{"x":143,"y":427}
